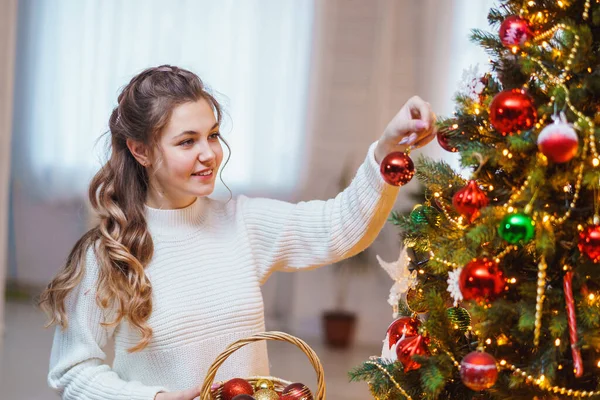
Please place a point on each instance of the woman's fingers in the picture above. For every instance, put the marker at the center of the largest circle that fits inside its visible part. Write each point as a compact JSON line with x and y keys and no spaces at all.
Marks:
{"x":423,"y":141}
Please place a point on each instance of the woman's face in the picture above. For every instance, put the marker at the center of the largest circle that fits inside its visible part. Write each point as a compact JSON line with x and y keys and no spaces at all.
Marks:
{"x":189,"y":158}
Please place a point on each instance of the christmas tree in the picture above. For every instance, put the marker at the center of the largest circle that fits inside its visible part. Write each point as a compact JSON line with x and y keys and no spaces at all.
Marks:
{"x":500,"y":297}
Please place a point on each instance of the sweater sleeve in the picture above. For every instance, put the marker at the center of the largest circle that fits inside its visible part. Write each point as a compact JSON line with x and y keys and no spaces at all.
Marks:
{"x":287,"y":237}
{"x":77,"y":362}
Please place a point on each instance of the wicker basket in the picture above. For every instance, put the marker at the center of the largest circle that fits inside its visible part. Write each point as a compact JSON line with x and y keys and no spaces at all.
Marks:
{"x":212,"y":391}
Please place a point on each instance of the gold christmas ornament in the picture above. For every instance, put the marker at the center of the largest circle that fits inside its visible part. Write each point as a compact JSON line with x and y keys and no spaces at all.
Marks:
{"x":264,"y":384}
{"x":266,"y":394}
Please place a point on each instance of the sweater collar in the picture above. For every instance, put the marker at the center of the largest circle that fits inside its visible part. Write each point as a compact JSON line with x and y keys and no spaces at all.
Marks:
{"x":177,"y":222}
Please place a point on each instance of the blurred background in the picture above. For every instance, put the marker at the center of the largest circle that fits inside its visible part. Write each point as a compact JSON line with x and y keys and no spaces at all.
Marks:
{"x":307,"y":86}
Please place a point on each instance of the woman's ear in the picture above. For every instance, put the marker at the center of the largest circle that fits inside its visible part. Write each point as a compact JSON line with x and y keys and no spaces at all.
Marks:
{"x":139,"y":151}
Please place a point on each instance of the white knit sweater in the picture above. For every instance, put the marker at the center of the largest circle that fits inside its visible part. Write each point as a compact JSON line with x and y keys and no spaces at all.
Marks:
{"x":209,"y":262}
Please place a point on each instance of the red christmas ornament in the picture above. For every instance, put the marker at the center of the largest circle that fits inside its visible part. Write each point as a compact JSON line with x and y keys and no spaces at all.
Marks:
{"x":515,"y":31}
{"x":397,"y":168}
{"x":234,"y":387}
{"x":558,"y":141}
{"x":469,"y":200}
{"x":296,"y":391}
{"x":442,"y":138}
{"x":243,"y":397}
{"x":512,"y":111}
{"x":410,"y":346}
{"x":399,"y":329}
{"x":478,"y":371}
{"x":481,"y":279}
{"x":589,"y":242}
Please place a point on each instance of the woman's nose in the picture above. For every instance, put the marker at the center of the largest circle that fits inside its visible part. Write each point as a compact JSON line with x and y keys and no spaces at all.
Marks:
{"x":206,"y":153}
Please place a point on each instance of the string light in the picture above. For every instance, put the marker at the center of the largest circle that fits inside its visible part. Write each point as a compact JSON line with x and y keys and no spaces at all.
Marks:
{"x":586,"y":9}
{"x":391,"y":378}
{"x":504,"y":252}
{"x":573,"y":203}
{"x":544,"y":385}
{"x":458,"y":222}
{"x":502,"y":340}
{"x":517,"y":194}
{"x":446,"y":263}
{"x":546,"y":34}
{"x":497,"y":259}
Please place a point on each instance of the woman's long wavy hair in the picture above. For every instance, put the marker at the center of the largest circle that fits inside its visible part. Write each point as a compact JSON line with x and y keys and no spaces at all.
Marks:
{"x":122,"y":244}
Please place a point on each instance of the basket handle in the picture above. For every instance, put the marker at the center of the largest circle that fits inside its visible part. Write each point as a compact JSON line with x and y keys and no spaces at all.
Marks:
{"x":280,"y":336}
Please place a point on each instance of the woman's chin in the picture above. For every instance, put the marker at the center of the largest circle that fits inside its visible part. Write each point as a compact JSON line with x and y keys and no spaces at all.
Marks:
{"x":206,"y":190}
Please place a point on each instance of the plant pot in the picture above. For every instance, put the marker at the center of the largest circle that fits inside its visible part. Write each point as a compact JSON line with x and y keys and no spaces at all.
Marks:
{"x":339,"y":328}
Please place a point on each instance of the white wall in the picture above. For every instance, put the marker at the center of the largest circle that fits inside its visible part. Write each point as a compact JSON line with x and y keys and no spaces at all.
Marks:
{"x":8,"y":12}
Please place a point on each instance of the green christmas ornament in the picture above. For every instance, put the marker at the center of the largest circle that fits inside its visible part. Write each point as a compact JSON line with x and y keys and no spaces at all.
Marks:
{"x":421,"y":215}
{"x":516,"y":228}
{"x":459,"y":318}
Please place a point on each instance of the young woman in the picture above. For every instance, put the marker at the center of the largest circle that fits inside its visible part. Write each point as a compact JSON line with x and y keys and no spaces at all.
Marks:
{"x":175,"y":276}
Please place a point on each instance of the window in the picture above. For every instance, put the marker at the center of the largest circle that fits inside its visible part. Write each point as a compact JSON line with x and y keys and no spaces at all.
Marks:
{"x":74,"y":56}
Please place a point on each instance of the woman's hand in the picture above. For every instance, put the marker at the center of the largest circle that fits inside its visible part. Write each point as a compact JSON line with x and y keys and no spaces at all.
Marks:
{"x":412,"y":127}
{"x":188,"y":394}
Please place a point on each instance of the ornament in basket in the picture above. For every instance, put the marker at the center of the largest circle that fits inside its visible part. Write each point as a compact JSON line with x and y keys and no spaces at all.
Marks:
{"x":262,"y":387}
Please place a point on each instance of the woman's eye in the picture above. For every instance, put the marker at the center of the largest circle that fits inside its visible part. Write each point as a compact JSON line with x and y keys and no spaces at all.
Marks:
{"x":186,"y":142}
{"x":215,"y":135}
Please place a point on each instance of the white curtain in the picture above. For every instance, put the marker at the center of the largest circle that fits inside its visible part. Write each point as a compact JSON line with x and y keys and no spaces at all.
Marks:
{"x":468,"y":15}
{"x":446,"y":51}
{"x":75,"y":55}
{"x":7,"y":49}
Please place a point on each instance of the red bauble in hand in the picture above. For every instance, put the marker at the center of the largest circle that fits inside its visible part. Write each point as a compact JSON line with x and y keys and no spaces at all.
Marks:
{"x":481,"y":279}
{"x":397,"y":168}
{"x":589,"y":242}
{"x":478,"y":371}
{"x":515,"y":31}
{"x":469,"y":200}
{"x":512,"y":111}
{"x":408,"y":347}
{"x":234,"y":387}
{"x":296,"y":391}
